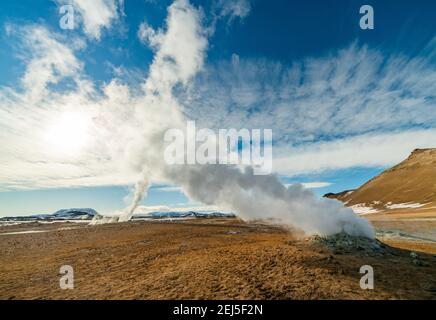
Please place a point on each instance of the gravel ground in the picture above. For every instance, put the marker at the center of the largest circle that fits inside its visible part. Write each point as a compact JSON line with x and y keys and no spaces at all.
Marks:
{"x":200,"y":259}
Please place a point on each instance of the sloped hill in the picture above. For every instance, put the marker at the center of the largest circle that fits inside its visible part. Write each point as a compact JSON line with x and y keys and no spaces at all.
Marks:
{"x":411,"y":183}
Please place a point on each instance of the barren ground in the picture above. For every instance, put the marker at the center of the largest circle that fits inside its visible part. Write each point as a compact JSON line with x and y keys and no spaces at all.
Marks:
{"x":412,"y":229}
{"x":199,"y":259}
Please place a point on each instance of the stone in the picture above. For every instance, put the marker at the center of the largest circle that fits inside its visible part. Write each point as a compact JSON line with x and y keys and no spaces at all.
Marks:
{"x":344,"y":243}
{"x":414,"y":255}
{"x":417,"y":262}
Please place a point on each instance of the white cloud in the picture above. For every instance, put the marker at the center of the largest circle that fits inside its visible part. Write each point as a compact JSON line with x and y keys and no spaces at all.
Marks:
{"x":234,"y":8}
{"x":349,"y":92}
{"x":311,"y":185}
{"x":149,"y":209}
{"x":354,"y":107}
{"x":96,"y":15}
{"x":362,"y":103}
{"x":148,"y":35}
{"x":168,"y":189}
{"x":358,"y":132}
{"x":48,"y":63}
{"x":119,"y":141}
{"x":30,"y":136}
{"x":369,"y":150}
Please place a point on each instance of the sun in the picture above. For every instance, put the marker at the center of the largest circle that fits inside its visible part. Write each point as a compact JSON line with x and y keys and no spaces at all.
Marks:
{"x":68,"y":133}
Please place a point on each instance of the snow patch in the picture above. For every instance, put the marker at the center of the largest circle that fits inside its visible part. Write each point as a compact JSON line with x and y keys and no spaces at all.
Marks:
{"x":405,"y":205}
{"x":360,"y":208}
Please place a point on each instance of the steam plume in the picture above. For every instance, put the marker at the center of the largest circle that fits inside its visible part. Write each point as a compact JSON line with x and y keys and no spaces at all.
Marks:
{"x":141,"y":187}
{"x":264,"y":197}
{"x":179,"y":55}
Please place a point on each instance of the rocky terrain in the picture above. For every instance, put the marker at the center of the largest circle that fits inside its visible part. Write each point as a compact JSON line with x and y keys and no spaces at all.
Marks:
{"x":203,"y":259}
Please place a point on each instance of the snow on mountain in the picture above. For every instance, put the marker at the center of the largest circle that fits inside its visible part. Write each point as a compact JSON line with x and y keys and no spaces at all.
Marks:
{"x":89,"y":214}
{"x":63,"y":214}
{"x":75,"y":213}
{"x":183,"y":214}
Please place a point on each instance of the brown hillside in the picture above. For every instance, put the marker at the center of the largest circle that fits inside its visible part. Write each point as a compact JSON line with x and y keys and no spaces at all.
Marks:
{"x":411,"y":181}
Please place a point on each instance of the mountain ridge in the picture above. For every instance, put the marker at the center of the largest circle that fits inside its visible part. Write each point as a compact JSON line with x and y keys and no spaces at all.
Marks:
{"x":410,"y":183}
{"x":89,"y":214}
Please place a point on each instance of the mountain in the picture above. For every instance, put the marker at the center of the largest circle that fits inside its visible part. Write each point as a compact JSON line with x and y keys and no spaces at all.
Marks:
{"x":63,"y":214}
{"x":184,"y":214}
{"x":89,"y":214}
{"x":410,"y":184}
{"x":74,"y":214}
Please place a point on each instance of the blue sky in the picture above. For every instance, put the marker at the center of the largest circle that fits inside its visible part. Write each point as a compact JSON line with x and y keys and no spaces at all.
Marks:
{"x":344,"y":103}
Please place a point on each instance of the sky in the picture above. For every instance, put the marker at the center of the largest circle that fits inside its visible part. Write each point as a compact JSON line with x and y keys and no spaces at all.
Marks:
{"x":344,"y":103}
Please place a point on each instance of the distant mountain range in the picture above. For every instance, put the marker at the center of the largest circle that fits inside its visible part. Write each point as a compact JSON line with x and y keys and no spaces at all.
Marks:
{"x":410,"y":184}
{"x":184,"y":214}
{"x":88,"y":214}
{"x":63,"y":214}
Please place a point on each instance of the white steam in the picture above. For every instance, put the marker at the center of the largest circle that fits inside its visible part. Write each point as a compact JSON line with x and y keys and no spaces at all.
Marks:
{"x":179,"y":55}
{"x":264,"y":197}
{"x":141,"y":188}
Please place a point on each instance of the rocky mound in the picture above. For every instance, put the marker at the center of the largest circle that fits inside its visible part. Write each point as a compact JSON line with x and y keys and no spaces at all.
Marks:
{"x":344,"y":243}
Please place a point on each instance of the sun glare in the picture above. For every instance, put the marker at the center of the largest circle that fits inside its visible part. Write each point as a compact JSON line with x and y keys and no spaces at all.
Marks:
{"x":69,"y":133}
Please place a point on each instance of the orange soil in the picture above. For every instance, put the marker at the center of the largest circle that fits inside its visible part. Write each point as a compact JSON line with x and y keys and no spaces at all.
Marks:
{"x":197,"y":259}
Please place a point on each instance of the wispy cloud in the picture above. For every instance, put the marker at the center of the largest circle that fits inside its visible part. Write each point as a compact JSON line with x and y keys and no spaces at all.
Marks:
{"x":167,"y":189}
{"x":368,"y":150}
{"x":56,"y":87}
{"x":353,"y":107}
{"x":149,"y":209}
{"x":312,"y":185}
{"x":234,"y":8}
{"x":353,"y":91}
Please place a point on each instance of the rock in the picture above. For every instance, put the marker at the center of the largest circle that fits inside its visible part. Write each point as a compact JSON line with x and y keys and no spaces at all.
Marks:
{"x":414,"y":255}
{"x":417,"y":262}
{"x":344,"y":243}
